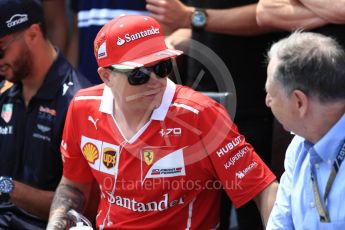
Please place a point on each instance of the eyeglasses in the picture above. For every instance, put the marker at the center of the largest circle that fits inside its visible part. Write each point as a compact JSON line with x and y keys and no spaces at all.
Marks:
{"x":140,"y":76}
{"x":5,"y":47}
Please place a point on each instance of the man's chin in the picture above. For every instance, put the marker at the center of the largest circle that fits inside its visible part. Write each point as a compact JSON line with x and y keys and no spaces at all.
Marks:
{"x":288,"y":130}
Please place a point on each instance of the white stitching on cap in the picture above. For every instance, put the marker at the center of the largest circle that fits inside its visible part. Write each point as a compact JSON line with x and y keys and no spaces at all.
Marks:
{"x":131,"y":64}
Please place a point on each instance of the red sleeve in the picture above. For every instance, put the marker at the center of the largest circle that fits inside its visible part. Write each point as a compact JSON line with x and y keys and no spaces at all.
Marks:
{"x":236,"y":164}
{"x":75,"y":166}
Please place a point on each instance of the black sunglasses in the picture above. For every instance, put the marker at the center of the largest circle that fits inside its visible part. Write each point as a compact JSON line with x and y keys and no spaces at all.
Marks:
{"x":140,"y":76}
{"x":5,"y":47}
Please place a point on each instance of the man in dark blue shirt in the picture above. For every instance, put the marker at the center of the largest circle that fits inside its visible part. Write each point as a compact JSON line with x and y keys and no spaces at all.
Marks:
{"x":33,"y":111}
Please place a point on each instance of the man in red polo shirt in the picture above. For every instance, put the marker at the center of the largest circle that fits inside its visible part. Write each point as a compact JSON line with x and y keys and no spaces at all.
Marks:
{"x":159,"y":151}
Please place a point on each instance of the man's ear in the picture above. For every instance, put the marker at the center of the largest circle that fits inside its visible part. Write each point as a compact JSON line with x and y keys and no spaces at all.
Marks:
{"x":105,"y":76}
{"x":301,"y":102}
{"x":32,"y":33}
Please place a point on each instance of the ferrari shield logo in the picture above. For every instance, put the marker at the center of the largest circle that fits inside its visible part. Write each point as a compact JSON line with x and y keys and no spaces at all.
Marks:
{"x":148,"y":156}
{"x":6,"y":112}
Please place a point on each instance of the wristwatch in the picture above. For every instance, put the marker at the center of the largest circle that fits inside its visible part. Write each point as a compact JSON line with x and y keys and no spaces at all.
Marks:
{"x":199,"y":19}
{"x":6,"y":185}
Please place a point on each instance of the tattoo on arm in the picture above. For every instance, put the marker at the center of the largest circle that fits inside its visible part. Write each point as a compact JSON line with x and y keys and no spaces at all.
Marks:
{"x":66,"y":197}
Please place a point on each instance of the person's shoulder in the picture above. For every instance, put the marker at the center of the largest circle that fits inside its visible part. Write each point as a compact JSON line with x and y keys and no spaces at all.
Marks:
{"x":296,"y":142}
{"x":78,"y":79}
{"x":188,"y":100}
{"x":88,"y":98}
{"x":93,"y":91}
{"x":186,"y":96}
{"x":295,"y":149}
{"x":66,"y":76}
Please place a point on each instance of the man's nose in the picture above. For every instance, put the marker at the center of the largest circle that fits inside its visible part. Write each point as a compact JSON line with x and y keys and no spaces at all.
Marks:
{"x":153,"y":79}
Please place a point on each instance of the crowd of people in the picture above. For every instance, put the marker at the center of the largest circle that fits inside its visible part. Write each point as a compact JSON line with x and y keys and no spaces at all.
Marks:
{"x":110,"y":117}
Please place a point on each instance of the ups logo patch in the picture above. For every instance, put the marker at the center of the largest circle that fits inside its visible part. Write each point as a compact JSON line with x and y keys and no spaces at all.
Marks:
{"x":109,"y":157}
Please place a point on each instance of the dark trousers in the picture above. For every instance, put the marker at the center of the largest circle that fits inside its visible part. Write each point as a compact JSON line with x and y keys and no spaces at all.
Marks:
{"x":13,"y":218}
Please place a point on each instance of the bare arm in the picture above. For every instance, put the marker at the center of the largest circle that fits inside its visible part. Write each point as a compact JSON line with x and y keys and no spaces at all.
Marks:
{"x":287,"y":15}
{"x":265,"y":201}
{"x":235,"y":21}
{"x":32,"y":200}
{"x":57,"y":22}
{"x":69,"y":195}
{"x":332,"y":11}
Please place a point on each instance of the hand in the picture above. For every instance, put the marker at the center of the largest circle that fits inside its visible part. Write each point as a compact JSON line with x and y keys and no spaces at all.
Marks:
{"x":171,"y":13}
{"x":179,"y":39}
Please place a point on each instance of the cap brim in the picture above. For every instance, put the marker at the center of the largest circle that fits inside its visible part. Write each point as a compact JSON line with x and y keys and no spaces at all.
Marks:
{"x":148,"y":59}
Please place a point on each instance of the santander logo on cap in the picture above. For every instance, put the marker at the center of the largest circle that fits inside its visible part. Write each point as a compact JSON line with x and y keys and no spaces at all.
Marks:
{"x":120,"y":41}
{"x":131,"y":37}
{"x":131,"y":41}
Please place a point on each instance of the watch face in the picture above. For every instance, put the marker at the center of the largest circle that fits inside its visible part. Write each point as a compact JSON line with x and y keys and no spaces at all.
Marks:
{"x":6,"y":185}
{"x":199,"y":19}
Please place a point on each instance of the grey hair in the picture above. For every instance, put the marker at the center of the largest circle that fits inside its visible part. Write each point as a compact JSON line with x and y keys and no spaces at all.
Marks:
{"x":312,"y":63}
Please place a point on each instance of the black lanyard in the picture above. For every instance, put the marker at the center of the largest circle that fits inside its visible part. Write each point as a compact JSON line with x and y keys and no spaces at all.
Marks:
{"x":323,"y":213}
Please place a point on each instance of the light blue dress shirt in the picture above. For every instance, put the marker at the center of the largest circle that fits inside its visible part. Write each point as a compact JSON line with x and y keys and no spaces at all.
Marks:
{"x":295,"y":205}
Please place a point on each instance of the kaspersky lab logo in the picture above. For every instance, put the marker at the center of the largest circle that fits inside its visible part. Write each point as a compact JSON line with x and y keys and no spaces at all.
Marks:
{"x":132,"y":37}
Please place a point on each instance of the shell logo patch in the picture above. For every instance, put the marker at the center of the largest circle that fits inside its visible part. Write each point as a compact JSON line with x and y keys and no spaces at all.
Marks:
{"x":90,"y":152}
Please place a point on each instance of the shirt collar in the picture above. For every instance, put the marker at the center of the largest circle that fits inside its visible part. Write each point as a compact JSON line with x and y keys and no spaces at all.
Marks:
{"x":106,"y":101}
{"x":159,"y":113}
{"x":328,"y":146}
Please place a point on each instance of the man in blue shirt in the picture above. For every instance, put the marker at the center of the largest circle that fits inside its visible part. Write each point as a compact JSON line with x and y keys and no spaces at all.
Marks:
{"x":39,"y":84}
{"x":305,"y":90}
